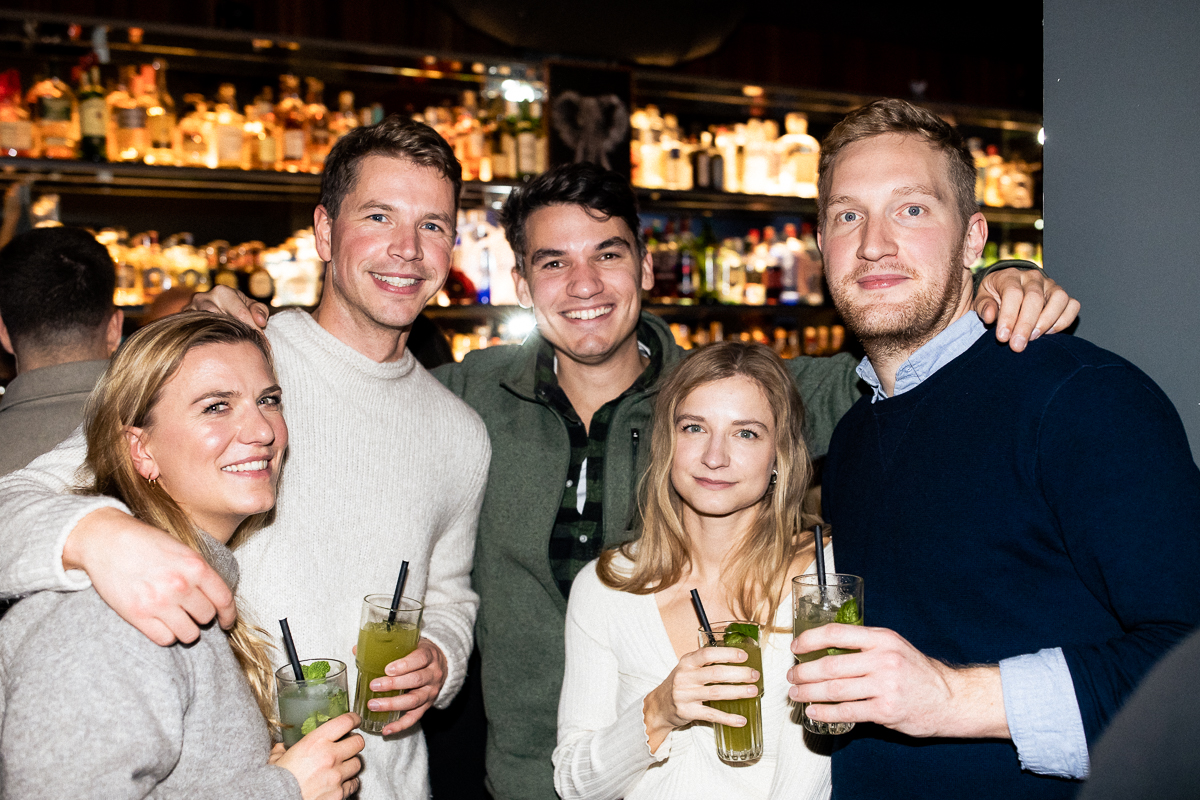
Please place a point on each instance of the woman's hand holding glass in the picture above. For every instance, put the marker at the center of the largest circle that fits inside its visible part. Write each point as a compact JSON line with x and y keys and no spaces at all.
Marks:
{"x":702,"y":675}
{"x":325,"y":762}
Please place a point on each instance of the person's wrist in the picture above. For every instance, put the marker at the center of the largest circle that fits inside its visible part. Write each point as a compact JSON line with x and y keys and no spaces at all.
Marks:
{"x":976,"y":707}
{"x":77,"y":547}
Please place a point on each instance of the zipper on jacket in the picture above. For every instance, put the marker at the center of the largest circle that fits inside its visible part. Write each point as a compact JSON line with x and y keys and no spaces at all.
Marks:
{"x":635,"y":436}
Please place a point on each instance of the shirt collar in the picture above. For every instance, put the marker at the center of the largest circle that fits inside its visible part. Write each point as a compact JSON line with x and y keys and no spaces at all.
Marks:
{"x":939,"y":351}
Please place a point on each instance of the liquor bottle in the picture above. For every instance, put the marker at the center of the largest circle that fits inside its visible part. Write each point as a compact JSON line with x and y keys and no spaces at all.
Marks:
{"x":527,"y":158}
{"x":975,"y":145}
{"x":127,"y":137}
{"x":754,"y":176}
{"x":55,"y":118}
{"x":993,"y":175}
{"x":798,"y":156}
{"x":755,"y":293}
{"x":701,"y":158}
{"x":345,"y":120}
{"x":253,"y":278}
{"x":774,"y":252}
{"x":229,"y":130}
{"x":262,"y":135}
{"x":293,"y":126}
{"x":16,"y":129}
{"x":93,"y":117}
{"x":676,"y":167}
{"x":468,"y":141}
{"x":639,"y":124}
{"x":151,"y":265}
{"x":217,"y":253}
{"x":652,"y":154}
{"x":320,"y":137}
{"x":789,"y":294}
{"x":732,"y":272}
{"x":160,"y":114}
{"x":809,"y":268}
{"x":508,"y":137}
{"x":194,"y":134}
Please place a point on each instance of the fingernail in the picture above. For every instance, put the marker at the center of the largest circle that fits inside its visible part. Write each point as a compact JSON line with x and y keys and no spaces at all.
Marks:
{"x":1020,"y":341}
{"x":1004,"y":333}
{"x":377,"y":686}
{"x":1036,"y":333}
{"x":373,"y":705}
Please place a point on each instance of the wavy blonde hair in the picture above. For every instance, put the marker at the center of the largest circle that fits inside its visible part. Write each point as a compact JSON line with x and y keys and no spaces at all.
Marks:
{"x":760,"y":564}
{"x":125,"y":397}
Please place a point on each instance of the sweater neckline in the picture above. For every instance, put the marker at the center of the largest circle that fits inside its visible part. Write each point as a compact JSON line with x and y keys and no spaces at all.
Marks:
{"x":912,"y":397}
{"x":300,"y":324}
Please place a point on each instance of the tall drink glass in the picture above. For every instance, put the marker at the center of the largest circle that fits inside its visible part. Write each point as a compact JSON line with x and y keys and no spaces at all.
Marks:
{"x":303,"y":705}
{"x":814,"y":605}
{"x":380,"y":643}
{"x":744,"y":743}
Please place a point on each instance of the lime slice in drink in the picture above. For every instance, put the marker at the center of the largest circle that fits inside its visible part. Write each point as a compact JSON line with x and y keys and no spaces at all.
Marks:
{"x":740,"y":630}
{"x":848,"y":614}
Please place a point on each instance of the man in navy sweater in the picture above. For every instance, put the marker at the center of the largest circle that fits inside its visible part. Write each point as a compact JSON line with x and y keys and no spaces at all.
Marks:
{"x":1025,"y":569}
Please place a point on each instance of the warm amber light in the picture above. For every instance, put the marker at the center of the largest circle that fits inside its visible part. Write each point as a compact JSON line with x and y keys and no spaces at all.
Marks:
{"x":752,"y":91}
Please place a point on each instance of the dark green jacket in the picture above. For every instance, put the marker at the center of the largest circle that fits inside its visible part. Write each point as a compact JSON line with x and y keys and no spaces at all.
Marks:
{"x":521,"y":611}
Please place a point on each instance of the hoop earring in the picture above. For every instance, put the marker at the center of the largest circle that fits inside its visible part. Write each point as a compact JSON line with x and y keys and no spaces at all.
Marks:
{"x":774,"y":476}
{"x":152,"y":482}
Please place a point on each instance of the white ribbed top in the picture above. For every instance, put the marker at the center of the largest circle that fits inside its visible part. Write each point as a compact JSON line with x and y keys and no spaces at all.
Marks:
{"x":618,"y":651}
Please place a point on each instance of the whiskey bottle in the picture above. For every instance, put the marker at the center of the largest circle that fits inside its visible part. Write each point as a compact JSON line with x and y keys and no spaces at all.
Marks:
{"x":292,"y":125}
{"x":93,"y":117}
{"x":160,"y":114}
{"x":16,"y":129}
{"x":55,"y":118}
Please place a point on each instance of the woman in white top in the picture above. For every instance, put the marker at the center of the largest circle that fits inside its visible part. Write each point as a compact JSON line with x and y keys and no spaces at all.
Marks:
{"x":721,"y":510}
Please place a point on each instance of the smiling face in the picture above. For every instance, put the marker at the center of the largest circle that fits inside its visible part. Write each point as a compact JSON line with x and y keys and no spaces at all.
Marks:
{"x":216,"y":437}
{"x":388,"y":252}
{"x":896,"y":255}
{"x":724,"y":449}
{"x":583,"y":278}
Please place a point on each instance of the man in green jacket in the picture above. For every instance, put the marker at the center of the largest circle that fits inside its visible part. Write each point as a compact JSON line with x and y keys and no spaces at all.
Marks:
{"x":569,"y":416}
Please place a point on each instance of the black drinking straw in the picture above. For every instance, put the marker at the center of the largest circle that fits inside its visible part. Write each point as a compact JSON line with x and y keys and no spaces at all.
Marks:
{"x":820,"y":556}
{"x":396,"y":595}
{"x":712,"y":640}
{"x":290,"y":647}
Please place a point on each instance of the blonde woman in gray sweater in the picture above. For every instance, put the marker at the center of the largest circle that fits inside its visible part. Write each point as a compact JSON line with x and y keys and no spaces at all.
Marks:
{"x":186,"y":429}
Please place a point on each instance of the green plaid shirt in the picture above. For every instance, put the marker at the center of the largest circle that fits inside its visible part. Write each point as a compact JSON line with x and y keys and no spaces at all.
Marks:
{"x":577,"y":537}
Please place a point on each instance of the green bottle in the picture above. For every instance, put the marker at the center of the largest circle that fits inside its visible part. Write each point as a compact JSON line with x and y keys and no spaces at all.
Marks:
{"x":93,"y":118}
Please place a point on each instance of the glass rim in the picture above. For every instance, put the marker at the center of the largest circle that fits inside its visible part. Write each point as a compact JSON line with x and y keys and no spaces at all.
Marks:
{"x":383,"y":602}
{"x":810,"y":579}
{"x":723,"y":624}
{"x":336,"y":667}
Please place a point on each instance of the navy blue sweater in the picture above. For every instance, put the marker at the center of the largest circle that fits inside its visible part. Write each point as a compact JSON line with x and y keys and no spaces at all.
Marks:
{"x":1007,"y":504}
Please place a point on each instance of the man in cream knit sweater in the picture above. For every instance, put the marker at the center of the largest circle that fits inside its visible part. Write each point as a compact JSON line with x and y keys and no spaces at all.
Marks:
{"x":385,"y":465}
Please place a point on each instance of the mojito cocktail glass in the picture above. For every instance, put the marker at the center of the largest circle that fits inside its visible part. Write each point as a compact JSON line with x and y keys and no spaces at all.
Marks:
{"x":381,"y":642}
{"x":814,"y":605}
{"x":303,"y":705}
{"x":744,"y":743}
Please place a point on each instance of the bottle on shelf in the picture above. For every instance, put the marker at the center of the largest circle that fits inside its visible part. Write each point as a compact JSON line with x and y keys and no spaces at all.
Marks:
{"x":55,"y":114}
{"x":254,"y":280}
{"x":809,"y":268}
{"x":292,"y":122}
{"x":755,"y":293}
{"x":798,"y":155}
{"x":345,"y":119}
{"x":468,"y":137}
{"x":127,"y":115}
{"x":93,"y":117}
{"x":194,"y":133}
{"x":227,"y":146}
{"x":148,"y":259}
{"x":16,"y":129}
{"x":320,"y":135}
{"x":262,"y":138}
{"x":222,"y":272}
{"x":789,"y":293}
{"x":774,"y":254}
{"x":160,"y":114}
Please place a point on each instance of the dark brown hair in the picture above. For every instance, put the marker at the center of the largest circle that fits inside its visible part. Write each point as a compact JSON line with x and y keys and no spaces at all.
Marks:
{"x":396,"y":137}
{"x":900,"y":116}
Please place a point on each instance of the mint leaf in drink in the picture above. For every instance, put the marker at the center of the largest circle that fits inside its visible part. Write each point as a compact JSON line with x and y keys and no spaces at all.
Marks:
{"x":315,"y":671}
{"x":848,"y":613}
{"x":313,"y":722}
{"x":339,"y":703}
{"x":741,"y":629}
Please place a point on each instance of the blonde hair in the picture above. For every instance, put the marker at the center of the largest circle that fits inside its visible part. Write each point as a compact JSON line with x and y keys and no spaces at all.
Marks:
{"x":125,"y":397}
{"x":760,"y":564}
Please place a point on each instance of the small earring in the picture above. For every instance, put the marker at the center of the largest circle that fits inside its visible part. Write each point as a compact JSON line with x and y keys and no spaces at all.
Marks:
{"x":774,"y":476}
{"x":153,"y":482}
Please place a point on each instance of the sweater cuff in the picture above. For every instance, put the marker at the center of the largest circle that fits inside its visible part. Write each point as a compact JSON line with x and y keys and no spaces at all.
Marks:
{"x":456,"y":665}
{"x":45,"y":570}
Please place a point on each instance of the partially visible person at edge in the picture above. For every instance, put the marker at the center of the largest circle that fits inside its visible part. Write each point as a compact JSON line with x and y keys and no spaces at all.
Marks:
{"x":58,"y":320}
{"x":568,"y":412}
{"x":186,"y":430}
{"x":1014,"y":611}
{"x":385,"y":466}
{"x":722,"y":515}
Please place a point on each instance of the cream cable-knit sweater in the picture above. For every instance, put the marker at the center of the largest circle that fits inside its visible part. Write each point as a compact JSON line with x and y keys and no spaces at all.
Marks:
{"x":618,"y":651}
{"x":384,"y":465}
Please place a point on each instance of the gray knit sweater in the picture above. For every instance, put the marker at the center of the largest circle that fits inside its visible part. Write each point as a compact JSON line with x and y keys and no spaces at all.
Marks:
{"x":91,"y":708}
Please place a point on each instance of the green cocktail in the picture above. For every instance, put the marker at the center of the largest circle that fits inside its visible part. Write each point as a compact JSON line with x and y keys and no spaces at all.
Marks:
{"x":381,"y":642}
{"x":744,"y":743}
{"x":813,"y":605}
{"x":305,"y":705}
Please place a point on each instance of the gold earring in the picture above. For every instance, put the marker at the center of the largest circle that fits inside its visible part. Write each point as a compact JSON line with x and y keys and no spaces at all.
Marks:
{"x":153,"y":482}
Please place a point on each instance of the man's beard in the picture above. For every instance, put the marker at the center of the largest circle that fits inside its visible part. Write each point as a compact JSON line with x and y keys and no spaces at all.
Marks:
{"x":888,"y":329}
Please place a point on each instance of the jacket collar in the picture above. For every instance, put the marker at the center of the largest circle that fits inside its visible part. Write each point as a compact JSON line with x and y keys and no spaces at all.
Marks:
{"x":521,"y":379}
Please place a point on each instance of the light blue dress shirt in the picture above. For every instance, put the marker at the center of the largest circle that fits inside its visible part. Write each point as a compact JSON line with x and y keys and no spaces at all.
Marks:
{"x":1039,"y":695}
